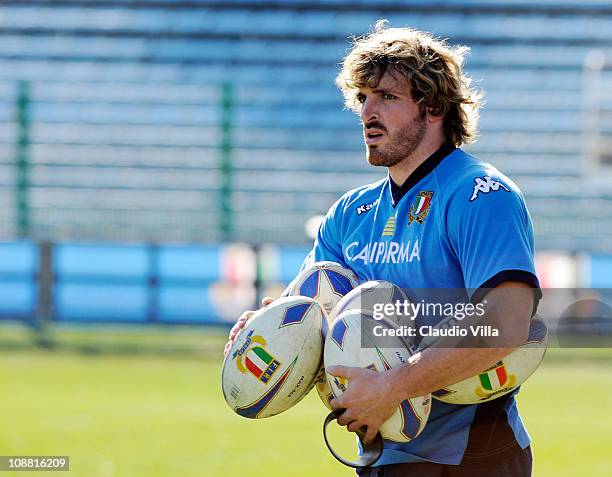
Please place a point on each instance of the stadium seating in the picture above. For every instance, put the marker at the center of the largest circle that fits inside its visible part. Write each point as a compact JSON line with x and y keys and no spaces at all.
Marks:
{"x":126,"y":112}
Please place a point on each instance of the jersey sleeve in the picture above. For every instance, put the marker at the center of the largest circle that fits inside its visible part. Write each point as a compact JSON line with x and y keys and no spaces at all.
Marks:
{"x":491,"y":233}
{"x":328,"y":244}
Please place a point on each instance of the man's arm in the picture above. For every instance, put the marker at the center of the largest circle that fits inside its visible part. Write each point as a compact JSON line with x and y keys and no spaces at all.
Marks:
{"x":372,"y":397}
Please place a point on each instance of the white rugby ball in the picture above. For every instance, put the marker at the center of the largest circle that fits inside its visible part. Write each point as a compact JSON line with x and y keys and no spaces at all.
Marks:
{"x":503,"y":377}
{"x":327,"y":283}
{"x":371,"y":297}
{"x":272,"y":363}
{"x":343,"y":346}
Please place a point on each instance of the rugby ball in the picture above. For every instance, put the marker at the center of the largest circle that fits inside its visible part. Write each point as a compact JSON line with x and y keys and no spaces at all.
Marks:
{"x":327,"y":283}
{"x":504,"y":376}
{"x":343,"y":346}
{"x":372,"y":298}
{"x":272,"y":363}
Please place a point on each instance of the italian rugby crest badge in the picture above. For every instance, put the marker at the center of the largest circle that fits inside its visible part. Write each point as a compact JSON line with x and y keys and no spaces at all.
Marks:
{"x":494,"y":380}
{"x":420,"y":208}
{"x":258,"y":361}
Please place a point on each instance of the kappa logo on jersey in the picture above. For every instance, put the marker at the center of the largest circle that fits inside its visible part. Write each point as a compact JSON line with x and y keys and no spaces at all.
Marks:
{"x":485,"y":185}
{"x":389,"y":229}
{"x":258,"y":361}
{"x":363,"y":208}
{"x":420,"y":208}
{"x":383,"y":252}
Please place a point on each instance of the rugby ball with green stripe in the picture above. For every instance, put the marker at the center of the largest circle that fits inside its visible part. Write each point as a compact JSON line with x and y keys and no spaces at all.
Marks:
{"x":504,"y":376}
{"x":273,"y":362}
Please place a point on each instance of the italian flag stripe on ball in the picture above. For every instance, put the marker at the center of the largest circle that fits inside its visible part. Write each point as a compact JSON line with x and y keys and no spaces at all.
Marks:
{"x":494,"y":379}
{"x":257,"y":361}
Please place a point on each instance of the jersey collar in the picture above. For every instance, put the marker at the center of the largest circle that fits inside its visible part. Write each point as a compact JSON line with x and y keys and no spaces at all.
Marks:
{"x":397,"y":192}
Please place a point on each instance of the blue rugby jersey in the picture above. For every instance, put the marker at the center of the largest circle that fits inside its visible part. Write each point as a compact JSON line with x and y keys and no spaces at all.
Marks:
{"x":457,"y":222}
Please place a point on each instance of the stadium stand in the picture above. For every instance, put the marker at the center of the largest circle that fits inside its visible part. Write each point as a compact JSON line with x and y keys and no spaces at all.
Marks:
{"x":126,"y":111}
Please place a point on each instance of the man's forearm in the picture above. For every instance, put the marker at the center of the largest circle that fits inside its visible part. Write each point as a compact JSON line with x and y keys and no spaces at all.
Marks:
{"x":509,"y":308}
{"x":435,"y":368}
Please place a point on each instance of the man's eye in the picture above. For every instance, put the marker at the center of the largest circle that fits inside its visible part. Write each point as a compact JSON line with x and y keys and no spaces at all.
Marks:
{"x":388,"y":96}
{"x":360,"y":98}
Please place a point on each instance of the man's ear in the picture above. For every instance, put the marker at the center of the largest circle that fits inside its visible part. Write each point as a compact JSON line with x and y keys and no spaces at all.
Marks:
{"x":434,"y":118}
{"x":426,"y":113}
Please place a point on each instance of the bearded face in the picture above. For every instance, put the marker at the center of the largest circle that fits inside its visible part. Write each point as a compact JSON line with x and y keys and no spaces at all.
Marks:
{"x":393,"y":124}
{"x":398,"y":142}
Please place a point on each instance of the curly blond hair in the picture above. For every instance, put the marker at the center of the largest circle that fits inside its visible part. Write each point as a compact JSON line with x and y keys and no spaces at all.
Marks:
{"x":431,"y":67}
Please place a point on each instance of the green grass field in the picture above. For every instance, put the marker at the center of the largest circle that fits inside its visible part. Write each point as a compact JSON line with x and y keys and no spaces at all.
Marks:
{"x":147,"y":403}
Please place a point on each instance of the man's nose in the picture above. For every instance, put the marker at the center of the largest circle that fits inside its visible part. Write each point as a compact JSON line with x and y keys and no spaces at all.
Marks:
{"x":369,"y":110}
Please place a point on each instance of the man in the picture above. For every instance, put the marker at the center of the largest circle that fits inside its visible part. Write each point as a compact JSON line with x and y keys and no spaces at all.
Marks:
{"x":441,"y":219}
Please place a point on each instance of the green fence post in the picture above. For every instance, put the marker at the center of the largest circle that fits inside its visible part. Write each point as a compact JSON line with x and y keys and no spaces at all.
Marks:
{"x":226,"y":167}
{"x":22,"y":160}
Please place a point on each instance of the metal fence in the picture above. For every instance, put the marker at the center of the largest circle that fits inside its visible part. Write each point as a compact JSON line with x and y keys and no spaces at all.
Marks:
{"x":139,"y":283}
{"x":69,"y":282}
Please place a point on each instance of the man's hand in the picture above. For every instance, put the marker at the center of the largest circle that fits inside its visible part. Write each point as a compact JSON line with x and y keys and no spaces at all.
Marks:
{"x":241,"y":323}
{"x":367,"y":400}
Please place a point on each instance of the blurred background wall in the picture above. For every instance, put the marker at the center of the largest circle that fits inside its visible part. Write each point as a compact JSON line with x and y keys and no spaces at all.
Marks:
{"x":159,"y":160}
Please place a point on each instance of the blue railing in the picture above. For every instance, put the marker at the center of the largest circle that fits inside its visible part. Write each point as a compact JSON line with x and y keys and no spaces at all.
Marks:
{"x":18,"y":280}
{"x":139,"y":283}
{"x":172,"y":284}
